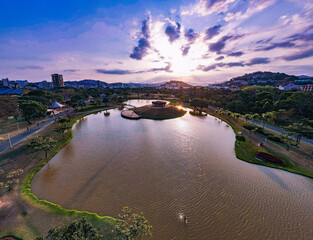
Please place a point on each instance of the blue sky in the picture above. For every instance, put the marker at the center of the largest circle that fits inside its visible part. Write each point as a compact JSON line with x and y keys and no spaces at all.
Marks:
{"x":200,"y":41}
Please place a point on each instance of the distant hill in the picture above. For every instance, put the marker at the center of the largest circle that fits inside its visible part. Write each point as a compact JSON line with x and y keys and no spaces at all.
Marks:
{"x":304,"y":77}
{"x":258,"y":79}
{"x":175,"y":85}
{"x":90,"y":83}
{"x":265,"y":78}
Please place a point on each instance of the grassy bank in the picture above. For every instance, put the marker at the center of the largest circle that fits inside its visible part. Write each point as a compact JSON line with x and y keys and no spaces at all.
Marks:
{"x":246,"y":151}
{"x":103,"y":223}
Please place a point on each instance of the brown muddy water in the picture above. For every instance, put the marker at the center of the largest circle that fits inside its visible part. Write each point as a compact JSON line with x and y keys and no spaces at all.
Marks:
{"x":164,"y":168}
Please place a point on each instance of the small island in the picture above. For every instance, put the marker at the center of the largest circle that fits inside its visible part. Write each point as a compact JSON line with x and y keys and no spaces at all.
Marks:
{"x":158,"y":111}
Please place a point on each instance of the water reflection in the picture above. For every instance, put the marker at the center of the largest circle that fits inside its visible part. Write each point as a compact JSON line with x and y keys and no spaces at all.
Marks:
{"x":163,"y":168}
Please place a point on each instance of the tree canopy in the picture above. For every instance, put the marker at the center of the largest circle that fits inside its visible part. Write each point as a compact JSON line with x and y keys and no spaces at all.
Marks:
{"x":131,"y":226}
{"x":32,"y":110}
{"x":78,"y":230}
{"x":42,"y":144}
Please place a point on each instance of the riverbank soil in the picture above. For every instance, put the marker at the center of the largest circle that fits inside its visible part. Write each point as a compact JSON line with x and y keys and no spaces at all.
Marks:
{"x":297,"y":159}
{"x":159,"y":113}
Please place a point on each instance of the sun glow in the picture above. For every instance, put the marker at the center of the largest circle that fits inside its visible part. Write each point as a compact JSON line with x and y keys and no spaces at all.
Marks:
{"x":171,"y":53}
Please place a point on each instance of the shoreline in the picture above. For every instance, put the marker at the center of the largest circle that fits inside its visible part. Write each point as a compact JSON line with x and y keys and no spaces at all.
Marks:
{"x":107,"y":221}
{"x":26,"y":193}
{"x":253,"y":160}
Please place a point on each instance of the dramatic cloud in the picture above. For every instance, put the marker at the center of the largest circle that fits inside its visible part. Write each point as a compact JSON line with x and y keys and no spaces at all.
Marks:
{"x":173,"y":31}
{"x":263,"y":41}
{"x":219,"y":58}
{"x":141,"y":50}
{"x":33,"y":67}
{"x":115,"y":71}
{"x":143,"y":44}
{"x":206,"y":7}
{"x":145,"y":30}
{"x":255,"y":61}
{"x":71,"y":70}
{"x":191,"y":37}
{"x":277,"y":45}
{"x":220,"y":45}
{"x":211,"y":32}
{"x":126,"y":72}
{"x":220,"y":65}
{"x":185,"y":50}
{"x":301,"y":36}
{"x":299,"y":55}
{"x":235,"y":54}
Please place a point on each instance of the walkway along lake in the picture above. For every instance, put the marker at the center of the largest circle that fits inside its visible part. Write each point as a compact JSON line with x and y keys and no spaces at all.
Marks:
{"x":184,"y":165}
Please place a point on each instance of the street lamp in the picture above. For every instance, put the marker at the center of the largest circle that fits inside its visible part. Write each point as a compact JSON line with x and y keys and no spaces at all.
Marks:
{"x":10,"y":144}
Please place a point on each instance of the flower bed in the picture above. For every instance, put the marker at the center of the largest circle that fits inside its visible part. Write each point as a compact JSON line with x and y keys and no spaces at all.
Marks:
{"x":268,"y":157}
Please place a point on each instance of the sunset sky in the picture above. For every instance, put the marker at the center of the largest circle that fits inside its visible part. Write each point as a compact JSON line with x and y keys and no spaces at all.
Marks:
{"x":202,"y":41}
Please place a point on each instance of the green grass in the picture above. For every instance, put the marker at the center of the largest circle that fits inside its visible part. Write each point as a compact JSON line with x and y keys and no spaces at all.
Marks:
{"x":101,"y":222}
{"x":246,"y":151}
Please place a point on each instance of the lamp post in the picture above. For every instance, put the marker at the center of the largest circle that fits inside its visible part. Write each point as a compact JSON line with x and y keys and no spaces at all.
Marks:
{"x":18,"y":128}
{"x":10,"y":144}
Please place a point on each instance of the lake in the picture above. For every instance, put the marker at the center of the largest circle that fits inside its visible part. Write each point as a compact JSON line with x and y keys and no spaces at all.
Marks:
{"x":164,"y":168}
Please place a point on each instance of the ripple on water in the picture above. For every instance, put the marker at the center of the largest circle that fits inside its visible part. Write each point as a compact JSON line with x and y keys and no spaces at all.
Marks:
{"x":164,"y":168}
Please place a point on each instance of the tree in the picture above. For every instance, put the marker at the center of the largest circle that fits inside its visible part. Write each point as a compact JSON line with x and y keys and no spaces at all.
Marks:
{"x":77,"y":230}
{"x":81,"y":103}
{"x":131,"y":226}
{"x":61,"y":128}
{"x":288,"y":140}
{"x":105,"y":100}
{"x":42,"y":144}
{"x":247,"y":117}
{"x":199,"y":102}
{"x":8,"y":107}
{"x":32,"y":110}
{"x":300,"y":130}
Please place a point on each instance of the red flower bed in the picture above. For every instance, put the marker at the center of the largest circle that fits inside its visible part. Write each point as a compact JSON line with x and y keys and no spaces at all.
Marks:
{"x":269,"y":157}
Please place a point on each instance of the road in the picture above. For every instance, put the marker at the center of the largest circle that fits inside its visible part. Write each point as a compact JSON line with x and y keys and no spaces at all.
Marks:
{"x":23,"y":135}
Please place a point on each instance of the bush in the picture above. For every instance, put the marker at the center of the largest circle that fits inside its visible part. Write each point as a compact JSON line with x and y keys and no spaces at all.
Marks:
{"x":268,"y":157}
{"x":241,"y":138}
{"x":275,"y":139}
{"x":260,"y":130}
{"x":197,"y":113}
{"x":63,"y":119}
{"x":249,"y":126}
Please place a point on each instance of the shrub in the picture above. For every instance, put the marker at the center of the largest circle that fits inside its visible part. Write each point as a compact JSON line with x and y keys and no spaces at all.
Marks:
{"x":249,"y":126}
{"x":241,"y":138}
{"x":268,"y":157}
{"x":63,"y":119}
{"x":259,"y":130}
{"x":275,"y":139}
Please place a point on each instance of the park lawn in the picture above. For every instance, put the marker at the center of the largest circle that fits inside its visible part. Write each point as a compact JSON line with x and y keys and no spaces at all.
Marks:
{"x":246,"y":150}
